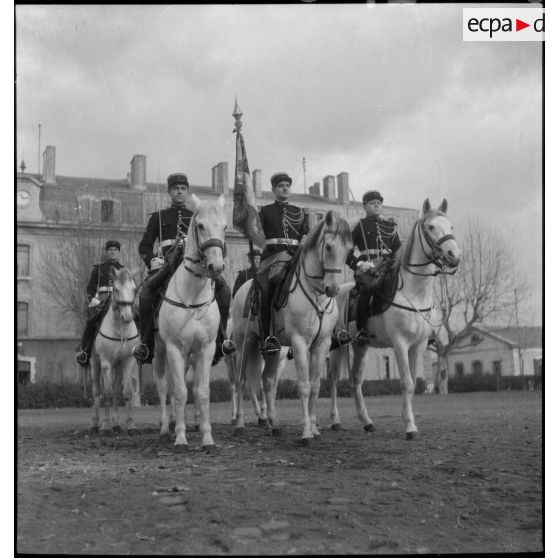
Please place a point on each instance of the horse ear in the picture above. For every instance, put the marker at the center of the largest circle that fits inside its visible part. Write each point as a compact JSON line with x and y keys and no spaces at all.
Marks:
{"x":426,"y":206}
{"x":444,"y":206}
{"x":193,"y":203}
{"x":329,"y":218}
{"x":221,"y":200}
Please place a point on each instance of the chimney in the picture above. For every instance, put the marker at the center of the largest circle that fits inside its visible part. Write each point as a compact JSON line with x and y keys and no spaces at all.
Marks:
{"x":220,"y":178}
{"x":314,"y":190}
{"x":138,"y":172}
{"x":343,"y":187}
{"x":329,"y":187}
{"x":257,"y":182}
{"x":129,"y":178}
{"x":49,"y":161}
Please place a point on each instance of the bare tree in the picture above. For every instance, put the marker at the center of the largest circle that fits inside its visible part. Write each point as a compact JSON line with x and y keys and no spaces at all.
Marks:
{"x":486,"y":287}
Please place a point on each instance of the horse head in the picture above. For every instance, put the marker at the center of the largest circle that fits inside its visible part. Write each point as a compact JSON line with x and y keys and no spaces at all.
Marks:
{"x":329,"y":241}
{"x":437,"y":230}
{"x":123,"y":294}
{"x":207,"y":228}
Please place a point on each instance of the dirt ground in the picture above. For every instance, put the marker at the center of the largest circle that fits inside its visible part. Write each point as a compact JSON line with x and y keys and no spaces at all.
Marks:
{"x":471,"y":482}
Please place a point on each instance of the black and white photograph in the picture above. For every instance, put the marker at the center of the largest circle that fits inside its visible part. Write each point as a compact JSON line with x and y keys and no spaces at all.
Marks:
{"x":279,"y":278}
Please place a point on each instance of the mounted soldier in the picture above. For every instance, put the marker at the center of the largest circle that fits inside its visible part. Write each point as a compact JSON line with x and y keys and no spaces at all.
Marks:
{"x":98,"y":291}
{"x":170,"y":227}
{"x":378,"y":242}
{"x":284,"y":226}
{"x":248,"y":273}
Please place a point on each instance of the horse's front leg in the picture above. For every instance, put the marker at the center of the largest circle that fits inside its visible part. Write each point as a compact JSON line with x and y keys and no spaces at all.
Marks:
{"x":335,"y":363}
{"x":117,"y":384}
{"x":301,"y":360}
{"x":416,"y":367}
{"x":407,"y":387}
{"x":175,"y":372}
{"x":161,"y":382}
{"x":269,"y":382}
{"x":317,"y":366}
{"x":106,"y":375}
{"x":130,"y":382}
{"x":95,"y":372}
{"x":230,"y":364}
{"x":357,"y":375}
{"x":202,"y":368}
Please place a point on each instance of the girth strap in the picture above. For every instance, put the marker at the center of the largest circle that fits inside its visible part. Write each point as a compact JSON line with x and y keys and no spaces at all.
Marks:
{"x":124,"y":339}
{"x":180,"y":305}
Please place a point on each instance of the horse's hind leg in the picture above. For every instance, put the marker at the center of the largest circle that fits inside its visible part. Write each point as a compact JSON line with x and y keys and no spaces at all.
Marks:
{"x":357,"y":375}
{"x":130,"y":382}
{"x":162,"y":390}
{"x":96,"y":389}
{"x":335,"y":363}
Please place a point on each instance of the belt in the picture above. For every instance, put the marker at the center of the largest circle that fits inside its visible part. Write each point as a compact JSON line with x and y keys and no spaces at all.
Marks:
{"x":374,"y":252}
{"x":285,"y":241}
{"x":105,"y":289}
{"x":169,"y":242}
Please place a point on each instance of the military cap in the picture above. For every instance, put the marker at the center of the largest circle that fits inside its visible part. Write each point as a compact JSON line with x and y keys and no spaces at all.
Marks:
{"x":112,"y":244}
{"x":372,"y":195}
{"x":280,"y":177}
{"x":256,"y":252}
{"x":177,"y":178}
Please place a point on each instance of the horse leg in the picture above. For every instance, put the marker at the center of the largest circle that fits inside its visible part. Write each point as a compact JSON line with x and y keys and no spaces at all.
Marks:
{"x":357,"y":375}
{"x":335,"y":363}
{"x":130,"y":385}
{"x":202,"y":368}
{"x":301,"y":357}
{"x":230,"y":364}
{"x":416,"y":368}
{"x":117,"y":385}
{"x":402,"y":354}
{"x":162,"y":390}
{"x":239,"y":380}
{"x":269,"y":382}
{"x":175,"y":371}
{"x":316,"y":365}
{"x":106,"y":379}
{"x":95,"y":372}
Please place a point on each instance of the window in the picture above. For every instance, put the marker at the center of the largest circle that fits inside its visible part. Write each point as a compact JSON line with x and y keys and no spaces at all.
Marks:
{"x":22,"y":318}
{"x":23,"y":260}
{"x":107,"y":211}
{"x":386,"y":366}
{"x":23,"y":372}
{"x":497,"y":367}
{"x":459,"y":369}
{"x":477,"y":367}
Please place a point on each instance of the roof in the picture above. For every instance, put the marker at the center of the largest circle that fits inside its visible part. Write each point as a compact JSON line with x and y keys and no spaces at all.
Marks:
{"x":523,"y":337}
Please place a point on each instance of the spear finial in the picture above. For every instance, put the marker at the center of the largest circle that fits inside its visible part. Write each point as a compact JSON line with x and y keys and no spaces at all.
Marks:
{"x":237,"y":114}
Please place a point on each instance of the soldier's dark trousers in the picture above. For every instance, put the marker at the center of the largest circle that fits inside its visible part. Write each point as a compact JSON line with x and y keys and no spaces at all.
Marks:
{"x":223,"y":299}
{"x":363,"y":310}
{"x":91,"y":326}
{"x":266,"y":294}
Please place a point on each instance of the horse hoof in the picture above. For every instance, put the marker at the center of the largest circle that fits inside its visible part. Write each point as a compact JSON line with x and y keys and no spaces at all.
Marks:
{"x":211,"y":448}
{"x":133,"y":432}
{"x":117,"y":428}
{"x":336,"y":427}
{"x":165,"y":438}
{"x":94,"y":430}
{"x":262,"y":422}
{"x":411,"y":435}
{"x":317,"y":437}
{"x":306,"y":442}
{"x":276,"y":432}
{"x":238,"y":431}
{"x":369,"y":428}
{"x":181,"y":448}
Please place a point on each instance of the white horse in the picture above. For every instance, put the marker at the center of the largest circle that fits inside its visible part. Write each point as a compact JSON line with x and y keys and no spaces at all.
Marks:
{"x":188,"y":321}
{"x":305,"y":324}
{"x":113,"y":368}
{"x":407,"y":322}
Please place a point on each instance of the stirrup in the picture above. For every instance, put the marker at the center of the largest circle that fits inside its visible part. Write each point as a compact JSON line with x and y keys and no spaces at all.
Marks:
{"x":271,"y":345}
{"x":81,"y":358}
{"x":228,"y":347}
{"x":343,"y":337}
{"x":140,"y":352}
{"x":362,"y":338}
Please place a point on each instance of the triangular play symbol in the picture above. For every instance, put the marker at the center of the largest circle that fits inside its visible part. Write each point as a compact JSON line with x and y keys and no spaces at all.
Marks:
{"x":519,"y":25}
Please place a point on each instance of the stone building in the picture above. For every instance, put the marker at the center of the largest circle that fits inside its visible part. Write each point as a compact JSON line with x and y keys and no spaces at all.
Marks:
{"x":59,"y":214}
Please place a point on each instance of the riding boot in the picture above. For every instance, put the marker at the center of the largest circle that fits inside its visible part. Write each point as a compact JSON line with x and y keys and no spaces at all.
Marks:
{"x":362,"y":315}
{"x":340,"y":339}
{"x":271,"y":343}
{"x":223,"y":346}
{"x":83,"y":356}
{"x":143,"y":351}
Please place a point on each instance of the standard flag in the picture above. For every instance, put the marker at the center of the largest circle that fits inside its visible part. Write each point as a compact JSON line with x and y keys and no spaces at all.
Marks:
{"x":245,"y":215}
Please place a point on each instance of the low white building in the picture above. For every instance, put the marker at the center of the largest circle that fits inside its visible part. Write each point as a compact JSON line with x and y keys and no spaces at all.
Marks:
{"x":513,"y":351}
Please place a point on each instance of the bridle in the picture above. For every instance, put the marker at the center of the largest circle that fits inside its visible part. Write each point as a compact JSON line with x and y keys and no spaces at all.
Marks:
{"x":118,"y":304}
{"x":201,"y":248}
{"x":436,"y":252}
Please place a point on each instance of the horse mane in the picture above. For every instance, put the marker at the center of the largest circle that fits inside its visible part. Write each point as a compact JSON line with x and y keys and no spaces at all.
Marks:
{"x":338,"y":225}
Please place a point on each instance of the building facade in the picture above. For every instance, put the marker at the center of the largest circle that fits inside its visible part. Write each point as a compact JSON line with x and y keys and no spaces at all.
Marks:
{"x":63,"y":224}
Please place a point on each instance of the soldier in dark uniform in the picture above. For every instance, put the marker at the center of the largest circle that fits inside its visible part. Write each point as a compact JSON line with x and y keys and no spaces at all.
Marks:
{"x":168,"y":226}
{"x":246,"y":274}
{"x":98,"y":290}
{"x":284,"y":226}
{"x":377,"y":240}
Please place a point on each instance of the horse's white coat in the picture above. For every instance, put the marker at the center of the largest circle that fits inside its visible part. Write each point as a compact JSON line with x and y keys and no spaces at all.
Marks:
{"x":187,"y":335}
{"x":112,"y":365}
{"x":404,"y":330}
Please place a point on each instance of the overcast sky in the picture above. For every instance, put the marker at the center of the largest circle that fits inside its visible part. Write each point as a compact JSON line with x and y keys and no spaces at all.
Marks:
{"x":389,"y":93}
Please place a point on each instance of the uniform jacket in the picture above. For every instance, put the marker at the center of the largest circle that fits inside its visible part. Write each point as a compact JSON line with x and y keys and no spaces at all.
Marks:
{"x":374,"y":228}
{"x":172,"y":219}
{"x":282,"y":220}
{"x":100,"y":273}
